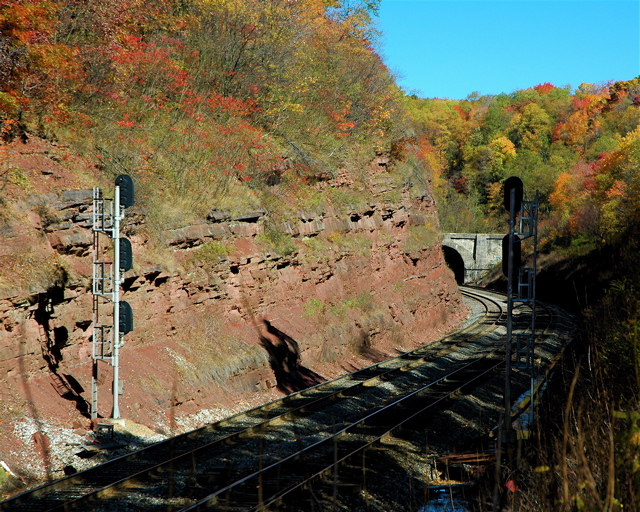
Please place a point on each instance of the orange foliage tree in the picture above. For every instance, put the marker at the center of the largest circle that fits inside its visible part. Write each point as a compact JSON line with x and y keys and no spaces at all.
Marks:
{"x":36,"y":69}
{"x":570,"y":146}
{"x":200,"y":94}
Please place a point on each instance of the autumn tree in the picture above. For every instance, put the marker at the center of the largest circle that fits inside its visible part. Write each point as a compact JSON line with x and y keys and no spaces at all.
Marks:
{"x":531,"y":128}
{"x":546,"y":135}
{"x":36,"y":69}
{"x":208,"y":98}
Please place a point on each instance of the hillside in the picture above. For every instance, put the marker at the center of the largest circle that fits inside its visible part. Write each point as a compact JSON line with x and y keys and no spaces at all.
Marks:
{"x":229,"y":104}
{"x":349,"y":289}
{"x":577,"y":147}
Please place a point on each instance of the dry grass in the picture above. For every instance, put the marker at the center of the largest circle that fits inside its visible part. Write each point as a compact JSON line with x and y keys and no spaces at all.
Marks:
{"x":421,"y":237}
{"x":346,"y":325}
{"x":31,"y":272}
{"x":6,"y":212}
{"x":212,"y":354}
{"x":273,"y":240}
{"x":209,"y":254}
{"x":585,"y":457}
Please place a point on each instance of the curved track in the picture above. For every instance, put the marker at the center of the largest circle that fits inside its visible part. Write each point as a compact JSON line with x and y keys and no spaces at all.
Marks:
{"x":258,"y":457}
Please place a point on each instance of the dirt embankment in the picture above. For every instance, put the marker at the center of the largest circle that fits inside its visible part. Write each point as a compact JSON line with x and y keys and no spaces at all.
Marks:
{"x":224,"y":322}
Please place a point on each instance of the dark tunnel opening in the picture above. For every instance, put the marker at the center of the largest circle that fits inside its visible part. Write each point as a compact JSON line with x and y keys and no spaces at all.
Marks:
{"x":455,"y":262}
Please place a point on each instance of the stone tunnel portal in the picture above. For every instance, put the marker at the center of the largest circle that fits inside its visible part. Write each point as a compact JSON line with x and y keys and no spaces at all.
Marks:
{"x":454,"y":261}
{"x":471,"y":255}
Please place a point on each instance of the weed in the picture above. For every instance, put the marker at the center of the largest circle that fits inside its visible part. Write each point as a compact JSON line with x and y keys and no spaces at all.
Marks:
{"x":358,"y":245}
{"x":17,"y":177}
{"x":166,"y":211}
{"x":420,"y":237}
{"x":47,"y":217}
{"x":580,"y":246}
{"x":211,"y":354}
{"x":341,"y":309}
{"x":9,"y":484}
{"x":363,"y":302}
{"x":312,"y":199}
{"x":330,"y":348}
{"x":317,"y":245}
{"x":313,"y":307}
{"x":349,"y":199}
{"x":210,"y":253}
{"x":5,"y":211}
{"x":280,"y":242}
{"x":316,"y":249}
{"x":32,"y":272}
{"x":152,"y":382}
{"x":393,"y":196}
{"x":399,"y":286}
{"x":335,"y":238}
{"x":20,"y":178}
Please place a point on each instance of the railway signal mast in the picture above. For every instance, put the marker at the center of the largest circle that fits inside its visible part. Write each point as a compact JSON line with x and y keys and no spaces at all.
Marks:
{"x":524,"y":280}
{"x":108,"y":276}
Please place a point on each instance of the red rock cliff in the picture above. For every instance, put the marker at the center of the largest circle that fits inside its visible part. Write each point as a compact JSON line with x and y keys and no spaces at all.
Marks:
{"x":247,"y":309}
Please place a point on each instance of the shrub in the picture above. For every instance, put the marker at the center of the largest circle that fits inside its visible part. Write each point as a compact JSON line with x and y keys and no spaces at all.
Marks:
{"x":210,"y":253}
{"x":313,"y":307}
{"x":280,"y":242}
{"x":420,"y":237}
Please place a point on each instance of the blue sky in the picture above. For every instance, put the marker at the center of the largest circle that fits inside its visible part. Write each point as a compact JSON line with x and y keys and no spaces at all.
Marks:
{"x":451,"y":48}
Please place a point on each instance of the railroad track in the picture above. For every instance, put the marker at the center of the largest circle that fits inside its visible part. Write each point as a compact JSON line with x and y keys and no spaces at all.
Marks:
{"x":258,"y":458}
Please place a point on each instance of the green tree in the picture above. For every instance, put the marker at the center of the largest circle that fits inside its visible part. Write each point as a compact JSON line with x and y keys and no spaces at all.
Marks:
{"x":531,"y":128}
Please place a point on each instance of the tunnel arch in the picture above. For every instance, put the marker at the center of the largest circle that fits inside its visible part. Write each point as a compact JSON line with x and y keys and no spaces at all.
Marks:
{"x":457,"y":252}
{"x":455,"y":262}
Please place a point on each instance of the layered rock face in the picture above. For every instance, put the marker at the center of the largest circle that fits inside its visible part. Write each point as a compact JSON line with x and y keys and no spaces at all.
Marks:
{"x":247,"y":310}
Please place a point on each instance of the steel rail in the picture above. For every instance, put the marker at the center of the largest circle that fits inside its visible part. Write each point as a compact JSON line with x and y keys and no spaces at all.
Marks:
{"x":277,"y":498}
{"x":251,"y":479}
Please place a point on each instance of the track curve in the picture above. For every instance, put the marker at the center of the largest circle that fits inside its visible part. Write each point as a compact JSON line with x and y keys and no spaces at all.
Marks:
{"x":261,"y":456}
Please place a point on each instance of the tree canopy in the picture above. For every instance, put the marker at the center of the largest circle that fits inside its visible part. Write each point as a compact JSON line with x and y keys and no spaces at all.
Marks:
{"x":579,"y":149}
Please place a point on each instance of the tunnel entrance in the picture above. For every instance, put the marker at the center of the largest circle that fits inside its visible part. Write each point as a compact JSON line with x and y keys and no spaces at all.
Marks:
{"x":455,"y":262}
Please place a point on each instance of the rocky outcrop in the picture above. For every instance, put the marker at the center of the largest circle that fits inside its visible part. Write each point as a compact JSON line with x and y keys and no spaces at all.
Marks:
{"x":345,"y":289}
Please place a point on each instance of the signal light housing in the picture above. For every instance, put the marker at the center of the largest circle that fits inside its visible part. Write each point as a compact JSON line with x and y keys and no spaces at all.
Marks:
{"x":126,"y":255}
{"x":127,"y":192}
{"x":514,"y":183}
{"x":125,"y":323}
{"x":517,"y":255}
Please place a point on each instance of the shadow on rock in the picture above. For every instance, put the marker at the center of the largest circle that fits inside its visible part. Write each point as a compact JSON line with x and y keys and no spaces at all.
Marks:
{"x":52,"y":340}
{"x":284,"y":358}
